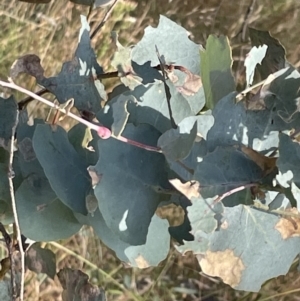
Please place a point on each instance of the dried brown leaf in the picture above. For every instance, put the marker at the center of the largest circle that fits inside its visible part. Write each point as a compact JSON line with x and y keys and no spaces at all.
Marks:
{"x":76,"y":286}
{"x":29,"y":64}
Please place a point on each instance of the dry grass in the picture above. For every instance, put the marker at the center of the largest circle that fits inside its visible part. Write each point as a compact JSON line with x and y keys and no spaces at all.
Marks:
{"x":51,"y":31}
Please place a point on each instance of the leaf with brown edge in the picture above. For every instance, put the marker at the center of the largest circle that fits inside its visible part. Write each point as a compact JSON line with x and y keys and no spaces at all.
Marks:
{"x":289,"y":226}
{"x":224,"y":264}
{"x":29,"y":64}
{"x":77,"y":287}
{"x":189,"y":189}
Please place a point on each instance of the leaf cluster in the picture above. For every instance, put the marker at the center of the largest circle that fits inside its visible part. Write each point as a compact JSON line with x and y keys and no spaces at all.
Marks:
{"x":180,"y":133}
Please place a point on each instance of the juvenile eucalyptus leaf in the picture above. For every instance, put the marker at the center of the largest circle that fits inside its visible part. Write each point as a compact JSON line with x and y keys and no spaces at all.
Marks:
{"x":42,"y":216}
{"x":151,"y":253}
{"x":152,"y":108}
{"x":131,"y":177}
{"x":176,"y":144}
{"x":224,"y":169}
{"x":201,"y":215}
{"x":216,"y":62}
{"x":258,"y":129}
{"x":78,"y":78}
{"x":65,"y":171}
{"x":288,"y":163}
{"x":8,"y":115}
{"x":174,"y":50}
{"x":231,"y":257}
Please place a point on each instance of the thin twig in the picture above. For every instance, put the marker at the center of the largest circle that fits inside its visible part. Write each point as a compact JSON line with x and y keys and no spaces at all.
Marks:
{"x":101,"y":76}
{"x":102,"y":131}
{"x":24,"y":102}
{"x":104,"y":19}
{"x":240,"y":96}
{"x":14,"y":207}
{"x":9,"y":246}
{"x":41,"y":92}
{"x":232,"y":191}
{"x":50,"y":104}
{"x":228,"y":193}
{"x":140,"y":145}
{"x":243,"y":34}
{"x":108,"y":75}
{"x":247,"y":19}
{"x":90,"y":10}
{"x":167,"y":90}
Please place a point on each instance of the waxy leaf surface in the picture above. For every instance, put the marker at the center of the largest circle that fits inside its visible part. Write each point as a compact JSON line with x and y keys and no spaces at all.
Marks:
{"x":130,"y":180}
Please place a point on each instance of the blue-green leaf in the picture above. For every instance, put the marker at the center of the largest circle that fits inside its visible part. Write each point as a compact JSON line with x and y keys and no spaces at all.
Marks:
{"x":63,"y":167}
{"x":8,"y":115}
{"x":151,"y":253}
{"x":130,"y":181}
{"x":179,"y":50}
{"x":42,"y":216}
